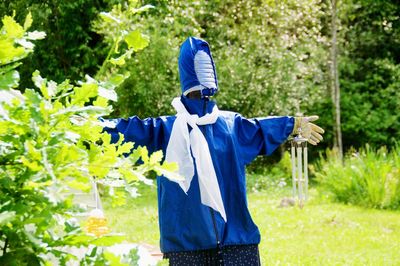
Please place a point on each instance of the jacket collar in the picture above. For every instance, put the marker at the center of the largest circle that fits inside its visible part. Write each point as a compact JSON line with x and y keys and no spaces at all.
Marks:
{"x":198,"y":107}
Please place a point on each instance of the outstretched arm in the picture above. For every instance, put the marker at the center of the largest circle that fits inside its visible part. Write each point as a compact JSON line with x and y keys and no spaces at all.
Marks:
{"x":261,"y":135}
{"x":149,"y":132}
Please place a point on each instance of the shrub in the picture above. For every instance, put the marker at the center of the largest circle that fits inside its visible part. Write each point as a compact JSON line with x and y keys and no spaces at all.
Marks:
{"x":274,"y":176}
{"x":369,"y":178}
{"x":51,"y":141}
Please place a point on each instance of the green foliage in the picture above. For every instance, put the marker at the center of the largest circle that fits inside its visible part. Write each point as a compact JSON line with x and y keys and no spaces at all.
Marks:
{"x":270,"y":57}
{"x":369,"y":178}
{"x":121,"y":29}
{"x":370,"y":72}
{"x":72,"y":49}
{"x":155,"y":81}
{"x":273,"y":176}
{"x":52,"y":141}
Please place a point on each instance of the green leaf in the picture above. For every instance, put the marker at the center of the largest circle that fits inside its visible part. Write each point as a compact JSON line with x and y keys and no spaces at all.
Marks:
{"x":141,"y":9}
{"x":128,"y":174}
{"x":107,"y":17}
{"x":48,"y":89}
{"x":101,"y":102}
{"x":138,"y":174}
{"x":118,"y":199}
{"x":136,"y":40}
{"x":78,"y":240}
{"x":108,"y":94}
{"x":9,"y":53}
{"x":119,"y":61}
{"x":113,"y":259}
{"x":33,"y":96}
{"x":84,"y":93}
{"x":108,"y":240}
{"x":173,"y":167}
{"x":169,"y":170}
{"x":144,"y":154}
{"x":32,"y":165}
{"x":36,"y":35}
{"x":6,"y":217}
{"x":125,"y":148}
{"x":9,"y":80}
{"x":156,"y":157}
{"x":115,"y":80}
{"x":25,"y":44}
{"x":38,"y":80}
{"x":9,"y":97}
{"x":28,"y":21}
{"x":9,"y":67}
{"x":12,"y":28}
{"x":79,"y":185}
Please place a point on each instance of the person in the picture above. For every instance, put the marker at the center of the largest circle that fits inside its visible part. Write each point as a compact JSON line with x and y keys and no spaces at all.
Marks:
{"x":204,"y":218}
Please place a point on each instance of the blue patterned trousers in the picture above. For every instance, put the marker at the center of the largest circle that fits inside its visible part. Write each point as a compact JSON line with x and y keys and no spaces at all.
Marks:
{"x":238,"y":255}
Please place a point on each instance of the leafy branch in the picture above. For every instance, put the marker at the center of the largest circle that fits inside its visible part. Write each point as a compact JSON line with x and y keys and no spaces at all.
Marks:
{"x":52,"y":141}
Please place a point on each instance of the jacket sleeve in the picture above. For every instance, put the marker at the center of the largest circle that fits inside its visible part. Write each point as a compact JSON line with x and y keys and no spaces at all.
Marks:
{"x":149,"y":132}
{"x":261,"y":136}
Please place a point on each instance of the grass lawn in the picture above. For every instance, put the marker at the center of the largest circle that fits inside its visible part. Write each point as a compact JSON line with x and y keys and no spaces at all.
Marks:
{"x":322,"y":233}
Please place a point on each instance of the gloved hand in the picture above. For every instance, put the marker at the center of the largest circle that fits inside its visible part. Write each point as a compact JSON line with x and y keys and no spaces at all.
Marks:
{"x":307,"y":129}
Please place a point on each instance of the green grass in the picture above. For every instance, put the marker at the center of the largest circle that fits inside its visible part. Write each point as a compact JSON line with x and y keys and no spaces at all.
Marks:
{"x":369,"y":177}
{"x":138,"y":219}
{"x":322,"y":233}
{"x":325,"y":234}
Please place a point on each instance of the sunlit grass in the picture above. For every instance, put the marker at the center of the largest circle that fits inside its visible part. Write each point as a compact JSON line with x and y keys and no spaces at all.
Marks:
{"x":321,"y":233}
{"x":325,"y":234}
{"x":138,"y":219}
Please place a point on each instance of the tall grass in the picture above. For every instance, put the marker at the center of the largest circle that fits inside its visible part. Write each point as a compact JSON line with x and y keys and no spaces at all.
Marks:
{"x":369,"y":177}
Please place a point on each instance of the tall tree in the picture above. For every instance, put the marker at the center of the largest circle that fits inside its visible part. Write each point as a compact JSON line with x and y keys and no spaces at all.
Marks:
{"x":335,"y":87}
{"x":369,"y":71}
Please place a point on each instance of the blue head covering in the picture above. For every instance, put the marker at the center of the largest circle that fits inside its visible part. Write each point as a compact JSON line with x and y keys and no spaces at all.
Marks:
{"x":196,"y":67}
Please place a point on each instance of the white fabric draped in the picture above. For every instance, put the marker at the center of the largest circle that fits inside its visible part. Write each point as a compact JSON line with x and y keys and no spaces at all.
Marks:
{"x":180,"y":147}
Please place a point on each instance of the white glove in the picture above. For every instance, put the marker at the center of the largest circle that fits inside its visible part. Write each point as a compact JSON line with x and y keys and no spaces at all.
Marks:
{"x":307,"y":129}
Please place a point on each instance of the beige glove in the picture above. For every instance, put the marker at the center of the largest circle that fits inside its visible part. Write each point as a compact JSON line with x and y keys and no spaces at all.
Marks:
{"x":307,"y":129}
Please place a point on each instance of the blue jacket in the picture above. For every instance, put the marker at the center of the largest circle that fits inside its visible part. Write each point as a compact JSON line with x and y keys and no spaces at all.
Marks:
{"x":234,"y":141}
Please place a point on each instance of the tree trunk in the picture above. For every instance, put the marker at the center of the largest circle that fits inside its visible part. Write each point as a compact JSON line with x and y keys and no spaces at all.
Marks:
{"x":335,"y":89}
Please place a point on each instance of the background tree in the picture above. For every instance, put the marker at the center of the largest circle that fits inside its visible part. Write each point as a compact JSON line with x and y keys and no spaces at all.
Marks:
{"x":268,"y":56}
{"x":335,"y":86}
{"x":268,"y":53}
{"x":72,"y":49}
{"x":369,"y":72}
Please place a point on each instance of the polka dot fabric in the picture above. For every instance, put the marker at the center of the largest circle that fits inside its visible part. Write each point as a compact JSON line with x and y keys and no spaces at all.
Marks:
{"x":246,"y":255}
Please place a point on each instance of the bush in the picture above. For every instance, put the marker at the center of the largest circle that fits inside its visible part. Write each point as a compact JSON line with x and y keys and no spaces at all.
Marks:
{"x":369,"y":178}
{"x":274,"y":176}
{"x":51,"y":141}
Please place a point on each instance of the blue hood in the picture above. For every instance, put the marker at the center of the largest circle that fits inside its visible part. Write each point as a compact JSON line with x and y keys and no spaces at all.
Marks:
{"x":197,"y":68}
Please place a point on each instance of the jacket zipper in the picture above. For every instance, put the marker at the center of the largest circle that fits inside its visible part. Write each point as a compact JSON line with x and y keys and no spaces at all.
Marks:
{"x":211,"y":210}
{"x":215,"y":227}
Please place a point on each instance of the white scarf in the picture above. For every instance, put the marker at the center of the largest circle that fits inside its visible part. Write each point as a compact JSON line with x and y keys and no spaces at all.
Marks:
{"x":178,"y":150}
